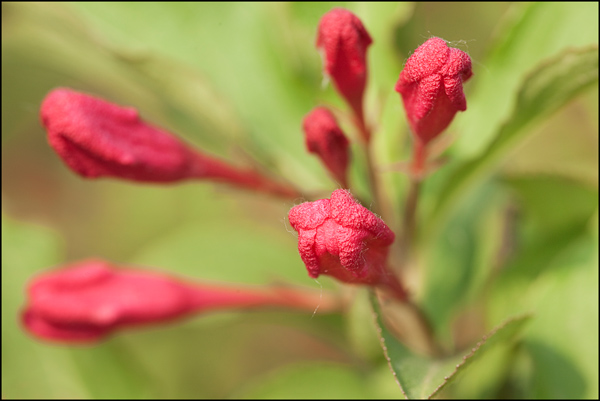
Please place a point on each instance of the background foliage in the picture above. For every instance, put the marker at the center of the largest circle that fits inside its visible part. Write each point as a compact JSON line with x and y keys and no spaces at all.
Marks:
{"x":509,"y":225}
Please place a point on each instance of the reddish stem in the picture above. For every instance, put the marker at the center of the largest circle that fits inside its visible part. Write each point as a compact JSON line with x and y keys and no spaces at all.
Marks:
{"x":365,"y":134}
{"x":213,"y":298}
{"x":419,"y":161}
{"x":208,"y":167}
{"x":359,"y":120}
{"x":391,"y":281}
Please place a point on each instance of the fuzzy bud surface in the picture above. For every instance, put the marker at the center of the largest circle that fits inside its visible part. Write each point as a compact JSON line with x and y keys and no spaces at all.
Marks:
{"x":340,"y":238}
{"x":87,"y":300}
{"x":431,"y":86}
{"x":325,"y":138}
{"x":97,"y":138}
{"x":343,"y":42}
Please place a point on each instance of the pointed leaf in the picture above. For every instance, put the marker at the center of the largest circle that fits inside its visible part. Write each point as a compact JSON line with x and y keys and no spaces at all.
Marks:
{"x":553,"y":84}
{"x":423,"y":377}
{"x":530,"y":33}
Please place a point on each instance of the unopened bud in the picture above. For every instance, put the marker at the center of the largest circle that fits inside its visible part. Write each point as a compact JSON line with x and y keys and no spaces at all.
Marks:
{"x":431,"y":87}
{"x":343,"y":41}
{"x":325,"y":138}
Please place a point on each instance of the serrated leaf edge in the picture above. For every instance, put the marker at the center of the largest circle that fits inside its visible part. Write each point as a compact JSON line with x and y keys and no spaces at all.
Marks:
{"x":385,"y":350}
{"x":467,"y":358}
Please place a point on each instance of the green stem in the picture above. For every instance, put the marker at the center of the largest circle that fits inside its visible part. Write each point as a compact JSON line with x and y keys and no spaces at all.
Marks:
{"x":416,"y":174}
{"x":372,"y":178}
{"x":410,"y":219}
{"x":366,"y":135}
{"x":424,"y":325}
{"x":409,"y":323}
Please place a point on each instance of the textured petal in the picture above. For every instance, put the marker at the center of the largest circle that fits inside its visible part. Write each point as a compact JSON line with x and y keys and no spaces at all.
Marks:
{"x":454,"y":91}
{"x":343,"y":42}
{"x":306,"y":248}
{"x":87,"y":300}
{"x":97,"y":138}
{"x":309,"y":215}
{"x":350,"y":243}
{"x":325,"y":138}
{"x":428,"y":59}
{"x":431,"y":87}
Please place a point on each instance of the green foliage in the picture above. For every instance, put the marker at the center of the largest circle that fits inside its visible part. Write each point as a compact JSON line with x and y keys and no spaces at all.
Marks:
{"x":549,"y":87}
{"x":507,"y":248}
{"x":424,"y":377}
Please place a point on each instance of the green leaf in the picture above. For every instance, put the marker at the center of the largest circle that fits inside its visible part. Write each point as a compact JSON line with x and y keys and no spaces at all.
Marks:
{"x":460,"y":259}
{"x":550,"y":146}
{"x":361,"y":330}
{"x":550,"y":86}
{"x":531,"y":33}
{"x":551,"y":205}
{"x":420,"y":376}
{"x":561,"y":344}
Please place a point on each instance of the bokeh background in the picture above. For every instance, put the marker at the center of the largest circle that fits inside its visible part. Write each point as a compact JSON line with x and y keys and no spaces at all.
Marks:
{"x":236,"y":79}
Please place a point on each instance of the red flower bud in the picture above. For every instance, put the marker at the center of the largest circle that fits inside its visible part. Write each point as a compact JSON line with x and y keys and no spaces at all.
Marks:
{"x":342,"y":239}
{"x":326,"y":139}
{"x":343,"y":41}
{"x":96,"y":138}
{"x":431,"y":87}
{"x":88,"y":300}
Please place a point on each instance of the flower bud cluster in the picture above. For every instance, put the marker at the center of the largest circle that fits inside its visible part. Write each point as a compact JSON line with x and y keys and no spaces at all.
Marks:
{"x":337,"y":237}
{"x":343,"y":41}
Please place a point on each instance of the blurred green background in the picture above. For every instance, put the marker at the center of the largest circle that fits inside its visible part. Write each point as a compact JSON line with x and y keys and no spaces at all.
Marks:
{"x":518,"y":235}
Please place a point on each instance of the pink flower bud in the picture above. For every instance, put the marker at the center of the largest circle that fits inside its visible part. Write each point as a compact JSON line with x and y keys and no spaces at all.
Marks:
{"x":96,"y":138}
{"x":90,"y":299}
{"x":87,"y":300}
{"x":342,"y":239}
{"x":431,"y":87}
{"x":326,"y":139}
{"x":343,"y":41}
